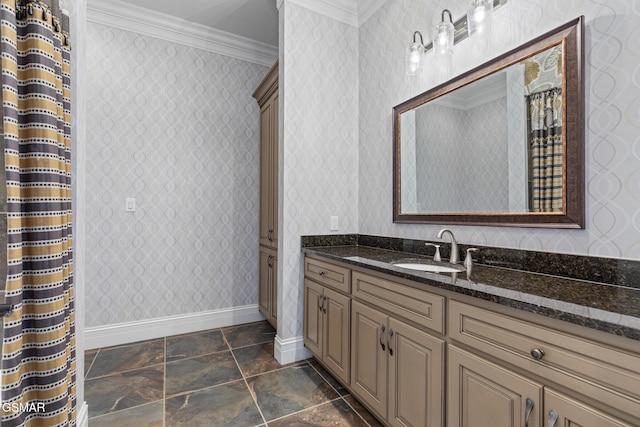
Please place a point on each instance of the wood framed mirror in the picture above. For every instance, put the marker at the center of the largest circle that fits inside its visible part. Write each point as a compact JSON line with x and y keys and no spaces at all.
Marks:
{"x":501,"y":145}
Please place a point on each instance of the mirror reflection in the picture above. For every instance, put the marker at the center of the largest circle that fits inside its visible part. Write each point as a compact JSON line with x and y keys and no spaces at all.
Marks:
{"x":494,"y":145}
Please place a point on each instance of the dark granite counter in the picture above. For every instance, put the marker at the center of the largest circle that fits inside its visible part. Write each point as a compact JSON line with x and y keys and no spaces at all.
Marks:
{"x":606,"y":307}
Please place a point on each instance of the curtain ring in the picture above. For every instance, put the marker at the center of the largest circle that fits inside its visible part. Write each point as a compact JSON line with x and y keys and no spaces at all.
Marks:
{"x":44,"y":14}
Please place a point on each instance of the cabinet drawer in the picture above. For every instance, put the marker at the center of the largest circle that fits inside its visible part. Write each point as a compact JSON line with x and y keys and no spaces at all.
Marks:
{"x":609,"y":375}
{"x":328,"y":274}
{"x":422,"y":307}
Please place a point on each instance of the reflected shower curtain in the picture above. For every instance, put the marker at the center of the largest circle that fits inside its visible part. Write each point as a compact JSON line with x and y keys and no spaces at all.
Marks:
{"x":546,"y":150}
{"x":38,"y":353}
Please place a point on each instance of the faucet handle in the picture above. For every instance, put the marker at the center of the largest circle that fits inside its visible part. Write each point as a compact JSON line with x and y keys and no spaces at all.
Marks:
{"x":436,"y":256}
{"x":468,"y":261}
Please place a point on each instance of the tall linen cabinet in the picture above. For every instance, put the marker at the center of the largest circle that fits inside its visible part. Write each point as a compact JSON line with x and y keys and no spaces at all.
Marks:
{"x":267,"y":96}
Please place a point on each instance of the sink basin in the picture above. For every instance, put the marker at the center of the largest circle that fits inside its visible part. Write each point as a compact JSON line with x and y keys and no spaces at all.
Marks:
{"x":428,"y":267}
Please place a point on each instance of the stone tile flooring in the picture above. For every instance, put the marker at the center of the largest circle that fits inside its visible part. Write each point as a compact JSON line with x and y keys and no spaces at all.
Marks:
{"x":221,"y":377}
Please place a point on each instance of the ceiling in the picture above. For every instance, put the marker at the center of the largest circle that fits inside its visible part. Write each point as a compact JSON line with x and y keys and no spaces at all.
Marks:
{"x":252,"y":19}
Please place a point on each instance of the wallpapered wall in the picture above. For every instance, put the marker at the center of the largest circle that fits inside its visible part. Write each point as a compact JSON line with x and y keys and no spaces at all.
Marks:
{"x":612,"y":116}
{"x":462,"y":154}
{"x":176,"y":128}
{"x":319,"y":142}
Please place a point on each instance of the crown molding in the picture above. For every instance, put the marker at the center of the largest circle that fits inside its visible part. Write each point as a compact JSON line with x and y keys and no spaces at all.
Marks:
{"x":341,"y":10}
{"x":368,"y":12}
{"x":118,"y":14}
{"x":345,"y":11}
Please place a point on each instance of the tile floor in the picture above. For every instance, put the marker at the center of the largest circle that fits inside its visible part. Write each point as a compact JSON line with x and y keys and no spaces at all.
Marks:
{"x":221,"y":377}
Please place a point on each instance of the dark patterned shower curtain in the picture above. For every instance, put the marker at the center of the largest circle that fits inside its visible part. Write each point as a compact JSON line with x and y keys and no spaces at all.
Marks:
{"x":546,"y":150}
{"x":38,"y":352}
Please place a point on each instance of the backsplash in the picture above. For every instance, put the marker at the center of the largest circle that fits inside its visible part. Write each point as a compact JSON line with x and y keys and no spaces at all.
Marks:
{"x":602,"y":270}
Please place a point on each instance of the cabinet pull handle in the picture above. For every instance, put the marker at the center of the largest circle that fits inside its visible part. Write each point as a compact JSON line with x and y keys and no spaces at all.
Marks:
{"x":389,"y":341}
{"x":527,"y":411}
{"x":537,"y":353}
{"x":382,"y":328}
{"x":320,"y":302}
{"x":324,"y":306}
{"x":553,"y":417}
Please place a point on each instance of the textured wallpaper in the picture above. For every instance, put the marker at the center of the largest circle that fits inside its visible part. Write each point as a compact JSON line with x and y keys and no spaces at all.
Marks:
{"x":177,"y":129}
{"x":319,"y":142}
{"x":612,"y":116}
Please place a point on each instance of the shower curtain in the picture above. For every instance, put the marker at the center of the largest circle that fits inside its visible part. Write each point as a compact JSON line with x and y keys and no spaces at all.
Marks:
{"x":38,"y":350}
{"x":546,"y":150}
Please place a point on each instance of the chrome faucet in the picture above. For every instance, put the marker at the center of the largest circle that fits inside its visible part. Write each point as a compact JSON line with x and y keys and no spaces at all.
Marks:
{"x":455,"y":256}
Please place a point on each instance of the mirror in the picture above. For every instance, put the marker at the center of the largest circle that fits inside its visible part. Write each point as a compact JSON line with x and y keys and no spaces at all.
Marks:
{"x":502,"y":144}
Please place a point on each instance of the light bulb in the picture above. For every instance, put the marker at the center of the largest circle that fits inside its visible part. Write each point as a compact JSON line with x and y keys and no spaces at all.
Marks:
{"x":413,"y":58}
{"x":479,"y":16}
{"x":443,"y":43}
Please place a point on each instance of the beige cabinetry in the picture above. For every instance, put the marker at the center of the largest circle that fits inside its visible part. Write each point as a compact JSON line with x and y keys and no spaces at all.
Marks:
{"x":545,"y":359}
{"x":396,"y":368}
{"x":418,"y":358}
{"x":267,"y":285}
{"x":267,"y":96}
{"x":482,"y":393}
{"x":327,"y":313}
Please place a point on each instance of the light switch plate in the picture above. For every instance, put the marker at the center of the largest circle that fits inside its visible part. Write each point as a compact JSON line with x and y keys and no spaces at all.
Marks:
{"x":130,"y":204}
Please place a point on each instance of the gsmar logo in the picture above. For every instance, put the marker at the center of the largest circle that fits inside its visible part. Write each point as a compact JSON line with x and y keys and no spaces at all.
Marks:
{"x":23,"y":407}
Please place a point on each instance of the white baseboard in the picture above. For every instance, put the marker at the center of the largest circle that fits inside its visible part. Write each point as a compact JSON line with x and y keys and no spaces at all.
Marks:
{"x":124,"y":333}
{"x":82,"y":416}
{"x":290,"y":350}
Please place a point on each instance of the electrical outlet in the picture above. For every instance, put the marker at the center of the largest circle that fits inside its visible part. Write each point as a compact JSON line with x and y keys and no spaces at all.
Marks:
{"x":334,"y":223}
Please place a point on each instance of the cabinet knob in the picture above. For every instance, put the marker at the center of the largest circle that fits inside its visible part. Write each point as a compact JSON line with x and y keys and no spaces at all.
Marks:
{"x":537,"y":353}
{"x":321,"y":273}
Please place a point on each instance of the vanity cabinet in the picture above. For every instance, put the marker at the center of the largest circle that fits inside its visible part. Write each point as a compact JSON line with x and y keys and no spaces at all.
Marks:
{"x":512,"y":368}
{"x":397,"y":368}
{"x":268,"y":285}
{"x":327,"y":314}
{"x":267,"y":97}
{"x":419,"y":358}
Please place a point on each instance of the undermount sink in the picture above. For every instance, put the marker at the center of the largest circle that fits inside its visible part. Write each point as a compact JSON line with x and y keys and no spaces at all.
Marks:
{"x":428,"y":267}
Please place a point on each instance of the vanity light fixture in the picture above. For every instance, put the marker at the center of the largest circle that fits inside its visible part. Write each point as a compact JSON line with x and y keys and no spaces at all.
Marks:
{"x":477,"y":20}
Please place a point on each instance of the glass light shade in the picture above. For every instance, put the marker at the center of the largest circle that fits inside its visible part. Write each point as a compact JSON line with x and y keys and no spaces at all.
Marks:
{"x":479,"y":16}
{"x":413,"y":59}
{"x":443,"y":41}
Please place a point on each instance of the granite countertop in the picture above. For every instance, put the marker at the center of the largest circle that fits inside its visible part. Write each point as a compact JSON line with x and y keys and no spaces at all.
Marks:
{"x":610,"y":308}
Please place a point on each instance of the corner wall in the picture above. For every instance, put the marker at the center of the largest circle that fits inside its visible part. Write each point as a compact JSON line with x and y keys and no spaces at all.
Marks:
{"x":318,"y":144}
{"x":612,"y":116}
{"x":176,"y":128}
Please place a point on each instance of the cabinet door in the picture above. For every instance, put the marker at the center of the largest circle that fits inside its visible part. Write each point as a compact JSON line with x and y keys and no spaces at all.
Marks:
{"x":273,"y":290}
{"x":264,"y":294}
{"x":563,"y":411}
{"x":337,"y":316}
{"x":313,"y":317}
{"x":266,"y":113}
{"x":482,"y":394}
{"x":273,"y":190}
{"x":369,"y":357}
{"x":416,"y":388}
